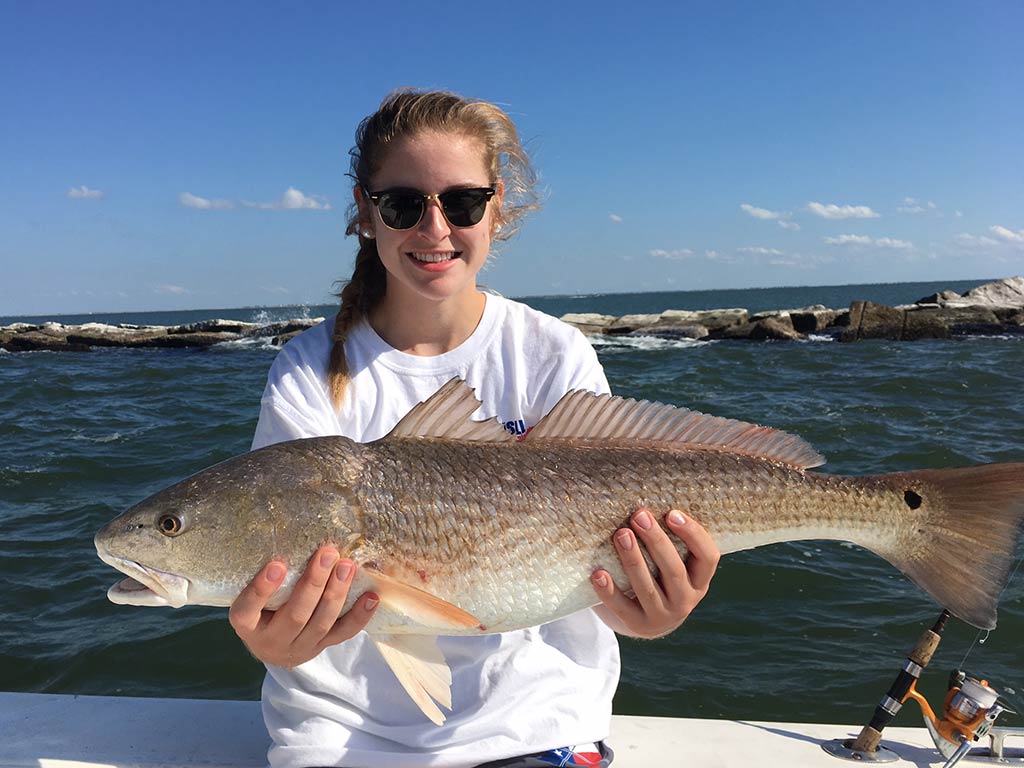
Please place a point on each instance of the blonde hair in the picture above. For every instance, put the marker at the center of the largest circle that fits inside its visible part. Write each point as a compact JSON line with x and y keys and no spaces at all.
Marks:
{"x":403,"y":113}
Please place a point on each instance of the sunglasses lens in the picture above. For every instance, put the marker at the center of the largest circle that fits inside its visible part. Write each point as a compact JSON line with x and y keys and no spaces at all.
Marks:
{"x":400,"y":210}
{"x":465,"y":207}
{"x":462,"y":207}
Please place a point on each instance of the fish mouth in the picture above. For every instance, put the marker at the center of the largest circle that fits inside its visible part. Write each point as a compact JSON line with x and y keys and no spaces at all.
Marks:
{"x":145,"y":586}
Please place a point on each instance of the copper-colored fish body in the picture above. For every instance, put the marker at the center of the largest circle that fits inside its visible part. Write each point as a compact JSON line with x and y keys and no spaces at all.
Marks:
{"x":503,"y":530}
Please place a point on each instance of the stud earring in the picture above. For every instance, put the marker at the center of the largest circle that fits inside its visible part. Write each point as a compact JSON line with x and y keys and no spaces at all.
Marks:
{"x":367,"y":233}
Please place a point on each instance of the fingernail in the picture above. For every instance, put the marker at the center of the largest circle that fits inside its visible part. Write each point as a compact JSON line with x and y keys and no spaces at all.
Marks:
{"x":328,"y":559}
{"x":642,"y":520}
{"x":371,"y":603}
{"x":624,"y":540}
{"x":275,"y":572}
{"x":676,"y":518}
{"x":343,"y":571}
{"x":601,"y":580}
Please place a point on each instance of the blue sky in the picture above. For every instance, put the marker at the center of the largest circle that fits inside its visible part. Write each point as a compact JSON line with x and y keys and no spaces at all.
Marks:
{"x":192,"y":155}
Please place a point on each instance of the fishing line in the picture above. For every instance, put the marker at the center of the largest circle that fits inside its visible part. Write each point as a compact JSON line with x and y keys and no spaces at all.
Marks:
{"x":978,"y":639}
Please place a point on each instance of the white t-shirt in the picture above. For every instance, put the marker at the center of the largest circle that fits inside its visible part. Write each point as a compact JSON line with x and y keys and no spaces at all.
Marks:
{"x":513,"y":693}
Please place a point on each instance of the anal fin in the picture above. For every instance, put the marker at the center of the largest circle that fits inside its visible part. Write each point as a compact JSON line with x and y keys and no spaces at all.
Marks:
{"x":422,"y":670}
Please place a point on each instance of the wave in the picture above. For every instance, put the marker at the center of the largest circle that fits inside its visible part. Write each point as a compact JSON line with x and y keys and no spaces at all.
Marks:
{"x":111,"y":438}
{"x":266,"y":316}
{"x":250,"y":342}
{"x":644,"y":342}
{"x":995,"y":337}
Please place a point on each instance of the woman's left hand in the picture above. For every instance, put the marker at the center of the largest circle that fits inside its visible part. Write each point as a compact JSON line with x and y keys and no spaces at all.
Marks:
{"x":661,"y":604}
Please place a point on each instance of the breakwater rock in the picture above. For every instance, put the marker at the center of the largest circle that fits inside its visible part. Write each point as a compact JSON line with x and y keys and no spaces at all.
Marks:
{"x":996,"y":308}
{"x":57,"y":337}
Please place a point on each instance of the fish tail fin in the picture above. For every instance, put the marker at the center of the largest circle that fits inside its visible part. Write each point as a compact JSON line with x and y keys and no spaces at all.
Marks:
{"x":421,"y":668}
{"x":963,"y":550}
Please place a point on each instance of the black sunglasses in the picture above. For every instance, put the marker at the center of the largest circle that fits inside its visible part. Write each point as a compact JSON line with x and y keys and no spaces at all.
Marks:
{"x":403,"y":208}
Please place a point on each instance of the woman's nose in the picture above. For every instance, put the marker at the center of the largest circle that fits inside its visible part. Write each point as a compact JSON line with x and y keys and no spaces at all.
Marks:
{"x":434,"y":222}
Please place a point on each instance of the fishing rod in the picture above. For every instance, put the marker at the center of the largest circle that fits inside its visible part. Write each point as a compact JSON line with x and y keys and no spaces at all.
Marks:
{"x":969,"y":712}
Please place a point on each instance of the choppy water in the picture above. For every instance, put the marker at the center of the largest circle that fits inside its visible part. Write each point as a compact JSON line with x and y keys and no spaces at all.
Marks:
{"x":811,"y":631}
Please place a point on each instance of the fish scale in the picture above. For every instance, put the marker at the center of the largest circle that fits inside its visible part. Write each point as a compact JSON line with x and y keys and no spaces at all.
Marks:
{"x":567,"y":502}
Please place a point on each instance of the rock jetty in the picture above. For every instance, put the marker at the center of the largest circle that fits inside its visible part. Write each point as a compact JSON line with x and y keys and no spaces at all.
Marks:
{"x":995,"y":308}
{"x":57,"y":337}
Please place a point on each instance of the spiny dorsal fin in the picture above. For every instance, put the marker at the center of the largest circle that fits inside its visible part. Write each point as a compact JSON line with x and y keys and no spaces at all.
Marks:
{"x":446,"y":414}
{"x":582,"y":415}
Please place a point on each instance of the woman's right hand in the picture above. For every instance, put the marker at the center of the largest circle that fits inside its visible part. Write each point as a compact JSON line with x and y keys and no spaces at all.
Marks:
{"x":310,"y":620}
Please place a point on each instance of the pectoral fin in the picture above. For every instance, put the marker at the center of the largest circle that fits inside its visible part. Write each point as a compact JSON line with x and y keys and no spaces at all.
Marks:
{"x":429,"y":610}
{"x":422,"y":670}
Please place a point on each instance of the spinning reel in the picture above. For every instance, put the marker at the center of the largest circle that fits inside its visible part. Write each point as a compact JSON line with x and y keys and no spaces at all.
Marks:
{"x":969,"y":712}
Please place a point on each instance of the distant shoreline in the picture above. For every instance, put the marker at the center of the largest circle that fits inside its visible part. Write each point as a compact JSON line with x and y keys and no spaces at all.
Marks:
{"x":215,"y":311}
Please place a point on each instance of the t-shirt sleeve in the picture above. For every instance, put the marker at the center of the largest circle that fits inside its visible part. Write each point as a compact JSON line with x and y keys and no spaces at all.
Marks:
{"x":295,"y":403}
{"x":279,"y":422}
{"x":587,"y":373}
{"x":575,"y":366}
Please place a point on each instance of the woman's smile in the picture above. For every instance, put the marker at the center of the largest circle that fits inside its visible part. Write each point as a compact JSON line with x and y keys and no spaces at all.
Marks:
{"x":434,"y":261}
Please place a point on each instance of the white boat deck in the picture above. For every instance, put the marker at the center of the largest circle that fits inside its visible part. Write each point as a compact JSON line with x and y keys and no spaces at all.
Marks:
{"x":57,"y":731}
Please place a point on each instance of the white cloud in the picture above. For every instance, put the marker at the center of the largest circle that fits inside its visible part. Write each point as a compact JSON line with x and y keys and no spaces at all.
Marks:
{"x":781,"y":217}
{"x":974,"y":241}
{"x":1008,"y":234}
{"x":958,"y":214}
{"x":615,"y":217}
{"x":293,"y":200}
{"x":82,"y":192}
{"x":761,"y":213}
{"x":760,"y":251}
{"x":176,"y":290}
{"x":188,"y":200}
{"x":912,"y":205}
{"x":831,"y":211}
{"x":888,"y":242}
{"x":676,"y":254}
{"x":881,"y":242}
{"x":848,"y":240}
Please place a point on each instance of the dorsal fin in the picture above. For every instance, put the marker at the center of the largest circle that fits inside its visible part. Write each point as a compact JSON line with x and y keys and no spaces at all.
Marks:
{"x":582,"y":415}
{"x":446,"y":414}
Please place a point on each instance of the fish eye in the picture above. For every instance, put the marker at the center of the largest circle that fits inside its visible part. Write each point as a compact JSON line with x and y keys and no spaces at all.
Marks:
{"x":169,"y":525}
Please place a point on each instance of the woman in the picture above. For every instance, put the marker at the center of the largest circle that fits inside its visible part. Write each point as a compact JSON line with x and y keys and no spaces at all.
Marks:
{"x":436,"y":179}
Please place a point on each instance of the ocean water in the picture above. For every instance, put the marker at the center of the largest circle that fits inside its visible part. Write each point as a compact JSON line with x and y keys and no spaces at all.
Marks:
{"x":808,"y":631}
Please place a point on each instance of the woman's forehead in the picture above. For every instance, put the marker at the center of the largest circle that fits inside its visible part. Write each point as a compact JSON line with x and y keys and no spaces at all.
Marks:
{"x":433,"y":159}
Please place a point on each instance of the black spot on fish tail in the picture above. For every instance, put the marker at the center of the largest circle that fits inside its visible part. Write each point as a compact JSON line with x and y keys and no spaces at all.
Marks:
{"x":913,"y":499}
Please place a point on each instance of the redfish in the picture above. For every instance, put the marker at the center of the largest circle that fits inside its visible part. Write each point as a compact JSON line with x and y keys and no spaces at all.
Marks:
{"x":462,"y":529}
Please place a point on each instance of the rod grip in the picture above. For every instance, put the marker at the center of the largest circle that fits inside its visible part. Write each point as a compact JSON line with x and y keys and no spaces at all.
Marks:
{"x":925,"y":648}
{"x":868,"y":740}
